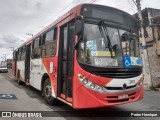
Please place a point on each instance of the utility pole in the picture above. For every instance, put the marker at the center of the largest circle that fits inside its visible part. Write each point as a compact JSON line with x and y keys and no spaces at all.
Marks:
{"x":12,"y":51}
{"x":146,"y":67}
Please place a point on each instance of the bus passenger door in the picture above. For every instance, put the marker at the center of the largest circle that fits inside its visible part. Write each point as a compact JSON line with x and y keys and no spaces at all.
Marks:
{"x":14,"y":66}
{"x":65,"y":62}
{"x":27,"y":62}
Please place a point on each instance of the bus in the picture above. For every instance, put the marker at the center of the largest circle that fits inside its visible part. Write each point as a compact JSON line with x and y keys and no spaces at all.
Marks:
{"x":87,"y":58}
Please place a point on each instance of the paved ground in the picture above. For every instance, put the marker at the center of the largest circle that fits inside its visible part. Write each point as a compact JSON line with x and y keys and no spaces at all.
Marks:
{"x":30,"y":99}
{"x":27,"y":97}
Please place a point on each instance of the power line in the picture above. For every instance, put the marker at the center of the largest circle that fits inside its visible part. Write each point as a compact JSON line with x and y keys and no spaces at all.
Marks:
{"x":62,"y":10}
{"x":65,"y":8}
{"x":131,"y":4}
{"x":122,"y":4}
{"x":134,"y":2}
{"x":55,"y":17}
{"x":93,"y":1}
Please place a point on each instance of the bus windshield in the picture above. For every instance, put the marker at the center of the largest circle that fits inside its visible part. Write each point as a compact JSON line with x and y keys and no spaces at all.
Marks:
{"x":104,"y":46}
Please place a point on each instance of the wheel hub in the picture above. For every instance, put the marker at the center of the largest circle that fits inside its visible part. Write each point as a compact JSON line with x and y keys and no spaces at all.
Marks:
{"x":48,"y":91}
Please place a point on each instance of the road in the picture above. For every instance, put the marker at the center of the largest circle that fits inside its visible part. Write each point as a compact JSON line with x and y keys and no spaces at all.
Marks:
{"x":29,"y":99}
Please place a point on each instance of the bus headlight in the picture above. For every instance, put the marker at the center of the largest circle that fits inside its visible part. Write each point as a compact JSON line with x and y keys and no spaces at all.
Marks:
{"x":90,"y":85}
{"x":85,"y":81}
{"x":99,"y":88}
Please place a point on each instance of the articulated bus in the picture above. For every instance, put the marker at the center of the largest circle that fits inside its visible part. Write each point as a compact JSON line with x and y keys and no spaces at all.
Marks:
{"x":88,"y":58}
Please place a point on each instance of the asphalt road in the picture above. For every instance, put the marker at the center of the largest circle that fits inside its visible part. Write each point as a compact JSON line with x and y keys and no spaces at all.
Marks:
{"x":30,"y":99}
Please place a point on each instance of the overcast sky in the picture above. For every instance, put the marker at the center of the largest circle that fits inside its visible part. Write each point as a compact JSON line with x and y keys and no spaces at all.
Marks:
{"x":18,"y":17}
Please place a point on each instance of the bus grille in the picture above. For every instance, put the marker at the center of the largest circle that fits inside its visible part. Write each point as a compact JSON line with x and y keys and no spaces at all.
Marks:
{"x":118,"y":74}
{"x":119,"y":88}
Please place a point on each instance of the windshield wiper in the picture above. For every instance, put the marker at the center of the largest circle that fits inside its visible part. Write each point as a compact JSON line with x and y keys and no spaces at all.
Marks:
{"x":104,"y":33}
{"x":80,"y":38}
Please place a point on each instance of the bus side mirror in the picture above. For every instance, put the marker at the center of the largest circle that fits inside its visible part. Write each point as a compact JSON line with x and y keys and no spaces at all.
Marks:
{"x":79,"y":23}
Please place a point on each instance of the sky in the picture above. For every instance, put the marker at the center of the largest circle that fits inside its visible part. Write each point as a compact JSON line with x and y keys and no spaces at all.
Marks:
{"x":19,"y":17}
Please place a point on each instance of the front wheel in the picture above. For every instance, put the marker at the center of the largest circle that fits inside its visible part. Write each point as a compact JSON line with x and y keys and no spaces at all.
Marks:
{"x":47,"y":92}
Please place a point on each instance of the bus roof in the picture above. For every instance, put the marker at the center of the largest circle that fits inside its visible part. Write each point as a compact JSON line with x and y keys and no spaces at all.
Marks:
{"x":75,"y":10}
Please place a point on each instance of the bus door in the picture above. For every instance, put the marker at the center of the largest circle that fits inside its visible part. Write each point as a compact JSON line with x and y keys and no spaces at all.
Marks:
{"x":27,"y":62}
{"x":65,"y":62}
{"x":15,"y":63}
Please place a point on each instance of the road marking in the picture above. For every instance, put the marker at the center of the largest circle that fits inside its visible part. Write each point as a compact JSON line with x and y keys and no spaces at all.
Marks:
{"x":7,"y":96}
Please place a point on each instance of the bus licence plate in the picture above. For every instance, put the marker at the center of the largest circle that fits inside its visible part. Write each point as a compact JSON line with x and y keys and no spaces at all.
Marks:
{"x":122,"y":97}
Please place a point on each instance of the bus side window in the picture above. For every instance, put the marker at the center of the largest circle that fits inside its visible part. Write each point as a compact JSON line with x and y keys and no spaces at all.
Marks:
{"x":23,"y":52}
{"x":49,"y":43}
{"x":14,"y":56}
{"x":18,"y":54}
{"x":36,"y":49}
{"x":43,"y":45}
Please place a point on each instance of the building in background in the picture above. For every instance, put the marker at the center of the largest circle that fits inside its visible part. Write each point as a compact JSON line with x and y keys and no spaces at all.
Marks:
{"x":3,"y":63}
{"x":3,"y":66}
{"x":151,"y":24}
{"x":9,"y":63}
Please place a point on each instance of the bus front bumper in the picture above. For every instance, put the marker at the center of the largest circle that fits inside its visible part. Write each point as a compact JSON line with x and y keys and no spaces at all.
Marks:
{"x":86,"y":98}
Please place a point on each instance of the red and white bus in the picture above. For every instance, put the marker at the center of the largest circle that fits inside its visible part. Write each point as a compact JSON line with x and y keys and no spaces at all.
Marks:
{"x":88,"y":58}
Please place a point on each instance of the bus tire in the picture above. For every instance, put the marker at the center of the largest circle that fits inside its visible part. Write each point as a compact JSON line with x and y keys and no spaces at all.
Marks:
{"x":18,"y":79}
{"x":47,"y":92}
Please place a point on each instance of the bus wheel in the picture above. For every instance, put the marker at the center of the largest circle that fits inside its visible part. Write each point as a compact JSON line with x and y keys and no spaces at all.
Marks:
{"x":47,"y":92}
{"x":18,"y":79}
